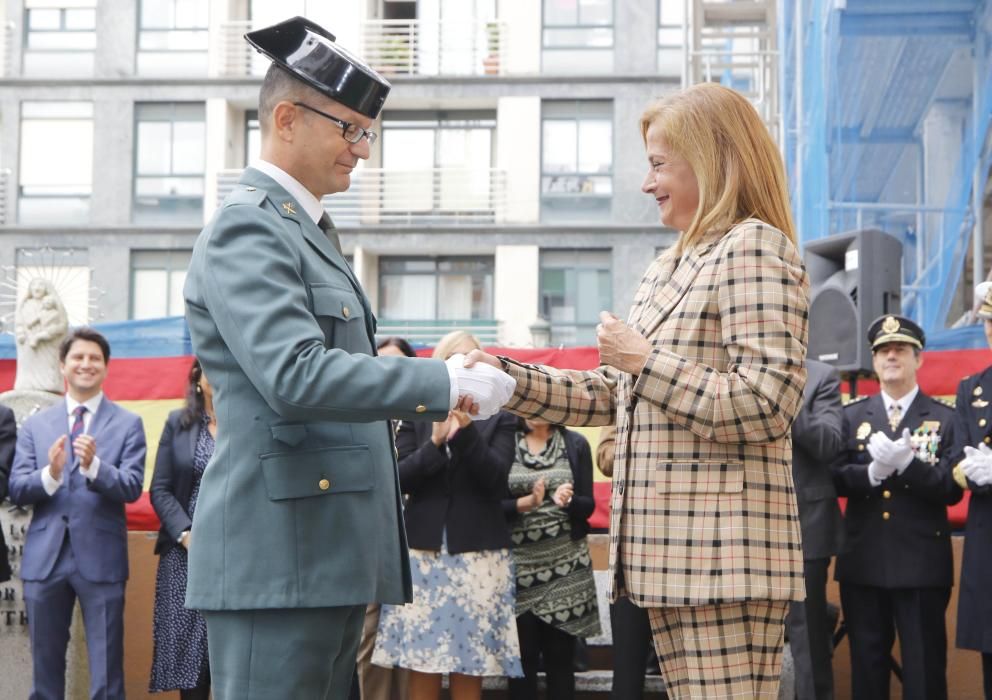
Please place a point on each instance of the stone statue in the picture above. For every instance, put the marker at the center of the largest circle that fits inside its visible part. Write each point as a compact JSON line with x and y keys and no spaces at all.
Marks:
{"x":41,"y":325}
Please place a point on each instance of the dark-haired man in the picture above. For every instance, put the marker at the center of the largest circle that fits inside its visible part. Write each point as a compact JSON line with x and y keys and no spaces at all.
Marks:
{"x":78,"y":462}
{"x":895,"y":570}
{"x":304,"y":475}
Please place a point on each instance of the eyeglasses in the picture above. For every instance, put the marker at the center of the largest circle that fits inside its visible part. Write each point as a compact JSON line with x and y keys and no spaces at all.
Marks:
{"x":352,"y":132}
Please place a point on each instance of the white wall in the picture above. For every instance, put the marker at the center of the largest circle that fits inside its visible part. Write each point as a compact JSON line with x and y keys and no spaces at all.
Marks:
{"x":515,"y":292}
{"x":523,"y":50}
{"x":518,"y":152}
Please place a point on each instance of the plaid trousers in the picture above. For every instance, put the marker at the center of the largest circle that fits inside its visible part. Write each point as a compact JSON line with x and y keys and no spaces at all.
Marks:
{"x":728,"y":650}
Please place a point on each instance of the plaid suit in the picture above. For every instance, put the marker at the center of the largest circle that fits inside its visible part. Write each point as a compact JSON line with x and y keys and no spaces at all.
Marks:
{"x":703,"y":510}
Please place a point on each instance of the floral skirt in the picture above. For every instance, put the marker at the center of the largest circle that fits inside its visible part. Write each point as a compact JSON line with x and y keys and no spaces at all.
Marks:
{"x":461,"y":619}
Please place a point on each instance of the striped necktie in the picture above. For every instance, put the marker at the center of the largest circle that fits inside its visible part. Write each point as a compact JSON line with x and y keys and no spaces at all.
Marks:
{"x":77,"y":423}
{"x":895,"y":416}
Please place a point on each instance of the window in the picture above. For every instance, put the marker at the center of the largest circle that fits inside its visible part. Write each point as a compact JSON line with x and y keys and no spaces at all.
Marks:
{"x":157,"y":278}
{"x":169,"y":162}
{"x":575,"y":286}
{"x":56,"y":171}
{"x":671,"y":18}
{"x":441,"y":288}
{"x":577,"y":36}
{"x":173,"y":37}
{"x":576,"y":161}
{"x":59,"y":37}
{"x":439,"y":163}
{"x":253,"y":137}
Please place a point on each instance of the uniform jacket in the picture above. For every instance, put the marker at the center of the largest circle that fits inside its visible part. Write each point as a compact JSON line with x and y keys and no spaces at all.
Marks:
{"x":91,"y":511}
{"x":973,"y":426}
{"x":172,"y":480}
{"x":303,"y":475}
{"x":457,"y":490}
{"x":896,"y":533}
{"x":703,"y":506}
{"x":8,"y":436}
{"x":817,"y":442}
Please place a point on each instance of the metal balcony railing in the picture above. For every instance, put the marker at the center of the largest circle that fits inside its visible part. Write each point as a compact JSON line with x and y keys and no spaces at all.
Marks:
{"x":7,"y":49}
{"x":416,"y":47}
{"x":4,"y":194}
{"x":429,"y":332}
{"x":442,"y":196}
{"x":235,"y":58}
{"x":752,"y":73}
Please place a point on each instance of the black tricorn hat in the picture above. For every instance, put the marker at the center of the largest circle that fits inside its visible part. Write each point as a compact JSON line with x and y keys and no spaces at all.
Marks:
{"x":309,"y":52}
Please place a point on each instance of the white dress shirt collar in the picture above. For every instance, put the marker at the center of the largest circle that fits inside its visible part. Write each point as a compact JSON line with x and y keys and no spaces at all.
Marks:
{"x":91,"y":407}
{"x":904,"y":403}
{"x":311,"y":205}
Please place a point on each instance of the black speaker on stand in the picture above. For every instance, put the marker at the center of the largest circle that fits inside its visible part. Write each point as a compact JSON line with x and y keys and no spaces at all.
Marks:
{"x":854,"y":278}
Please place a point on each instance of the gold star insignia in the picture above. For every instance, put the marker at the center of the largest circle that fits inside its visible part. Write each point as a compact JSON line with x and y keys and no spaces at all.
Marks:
{"x":289,"y":208}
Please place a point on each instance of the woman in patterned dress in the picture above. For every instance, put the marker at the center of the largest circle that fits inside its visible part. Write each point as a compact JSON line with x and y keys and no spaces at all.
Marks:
{"x":550,"y":486}
{"x":179,"y":660}
{"x":461,"y":620}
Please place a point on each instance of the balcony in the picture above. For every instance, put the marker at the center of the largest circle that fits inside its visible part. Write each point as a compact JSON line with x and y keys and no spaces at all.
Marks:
{"x":233,"y":56}
{"x":429,"y":332}
{"x":440,"y":196}
{"x":4,"y":195}
{"x":7,"y":49}
{"x":415,"y":47}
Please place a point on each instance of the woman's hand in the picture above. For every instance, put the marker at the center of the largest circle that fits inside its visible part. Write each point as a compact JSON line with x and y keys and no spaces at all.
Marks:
{"x":441,"y":429}
{"x":563,"y":495}
{"x":462,"y":418}
{"x":481,"y":356}
{"x":534,"y":499}
{"x":620,"y":345}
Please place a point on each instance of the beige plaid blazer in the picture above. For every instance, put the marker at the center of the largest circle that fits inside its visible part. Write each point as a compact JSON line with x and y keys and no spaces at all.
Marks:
{"x":703,"y":508}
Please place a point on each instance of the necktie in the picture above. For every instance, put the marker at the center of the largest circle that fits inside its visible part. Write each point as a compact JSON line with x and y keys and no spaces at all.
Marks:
{"x":332,"y":235}
{"x":77,"y":423}
{"x":895,"y":416}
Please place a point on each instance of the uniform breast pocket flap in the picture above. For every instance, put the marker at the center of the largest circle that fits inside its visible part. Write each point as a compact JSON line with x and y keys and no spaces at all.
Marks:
{"x":320,"y":472}
{"x":336,"y":302}
{"x":703,"y":476}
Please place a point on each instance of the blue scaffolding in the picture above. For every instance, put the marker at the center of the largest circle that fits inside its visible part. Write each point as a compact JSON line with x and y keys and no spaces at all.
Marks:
{"x":887,"y":109}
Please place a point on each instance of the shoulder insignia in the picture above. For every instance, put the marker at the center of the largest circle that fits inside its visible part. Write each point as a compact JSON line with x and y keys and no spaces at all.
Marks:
{"x":251,"y":196}
{"x":859,"y":399}
{"x":943,"y":402}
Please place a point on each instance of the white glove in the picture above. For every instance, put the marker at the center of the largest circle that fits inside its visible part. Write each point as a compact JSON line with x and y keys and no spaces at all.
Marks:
{"x":977,"y":464}
{"x":877,"y":473}
{"x":896,"y":455}
{"x":489,"y":387}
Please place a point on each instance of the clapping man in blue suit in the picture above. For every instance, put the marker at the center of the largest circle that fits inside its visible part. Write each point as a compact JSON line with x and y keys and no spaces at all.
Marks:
{"x":304,"y":472}
{"x":78,"y":462}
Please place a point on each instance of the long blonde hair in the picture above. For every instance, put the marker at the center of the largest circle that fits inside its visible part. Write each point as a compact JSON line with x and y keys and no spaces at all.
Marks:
{"x":728,"y":147}
{"x":445,"y":347}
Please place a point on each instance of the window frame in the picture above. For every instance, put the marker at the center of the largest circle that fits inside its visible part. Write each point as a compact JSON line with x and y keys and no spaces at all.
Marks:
{"x":170,"y":255}
{"x":570,"y":267}
{"x":490,"y":271}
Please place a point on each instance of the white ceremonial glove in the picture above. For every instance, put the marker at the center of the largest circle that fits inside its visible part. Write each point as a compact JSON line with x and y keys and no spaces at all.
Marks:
{"x":489,"y":387}
{"x":896,"y":455}
{"x":877,"y":473}
{"x":977,"y":464}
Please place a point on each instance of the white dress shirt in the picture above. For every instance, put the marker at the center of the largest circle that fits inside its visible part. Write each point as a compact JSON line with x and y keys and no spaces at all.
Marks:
{"x":314,"y":209}
{"x":50,"y":484}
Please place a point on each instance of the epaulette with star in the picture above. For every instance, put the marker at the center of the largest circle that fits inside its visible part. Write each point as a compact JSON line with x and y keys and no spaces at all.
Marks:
{"x":859,"y":399}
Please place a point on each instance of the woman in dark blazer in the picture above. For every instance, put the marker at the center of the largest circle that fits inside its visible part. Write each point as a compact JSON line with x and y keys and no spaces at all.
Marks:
{"x":548,"y":505}
{"x":461,"y":621}
{"x":179,"y":660}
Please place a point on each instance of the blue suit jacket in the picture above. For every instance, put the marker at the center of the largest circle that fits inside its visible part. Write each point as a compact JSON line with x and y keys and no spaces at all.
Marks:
{"x":92,"y":511}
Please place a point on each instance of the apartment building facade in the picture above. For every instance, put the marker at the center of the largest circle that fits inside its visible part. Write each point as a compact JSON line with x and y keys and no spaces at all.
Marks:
{"x":503,"y":195}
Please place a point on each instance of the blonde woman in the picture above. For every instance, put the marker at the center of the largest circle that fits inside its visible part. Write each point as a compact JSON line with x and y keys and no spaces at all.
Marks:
{"x":461,"y":621}
{"x":703,"y":379}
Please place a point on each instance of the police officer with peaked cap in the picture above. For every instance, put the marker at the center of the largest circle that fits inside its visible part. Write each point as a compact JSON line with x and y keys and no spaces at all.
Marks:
{"x":298,"y":525}
{"x":896,"y":570}
{"x":972,"y":455}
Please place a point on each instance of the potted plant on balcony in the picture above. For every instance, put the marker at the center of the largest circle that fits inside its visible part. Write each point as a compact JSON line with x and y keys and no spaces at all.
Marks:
{"x":491,"y":62}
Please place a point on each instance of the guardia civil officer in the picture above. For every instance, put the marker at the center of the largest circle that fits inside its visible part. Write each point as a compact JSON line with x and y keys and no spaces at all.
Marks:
{"x":895,"y":570}
{"x":973,"y":456}
{"x":298,"y":524}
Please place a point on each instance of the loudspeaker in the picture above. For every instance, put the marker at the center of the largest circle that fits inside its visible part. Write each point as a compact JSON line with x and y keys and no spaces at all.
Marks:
{"x":854,"y":278}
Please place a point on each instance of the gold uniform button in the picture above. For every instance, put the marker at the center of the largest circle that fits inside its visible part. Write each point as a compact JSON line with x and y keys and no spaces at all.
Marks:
{"x":885,"y":515}
{"x":324,"y":484}
{"x":346,"y":311}
{"x":421,"y":408}
{"x":886,"y":494}
{"x":988,"y":439}
{"x":977,"y":391}
{"x":982,"y":423}
{"x":861,"y":448}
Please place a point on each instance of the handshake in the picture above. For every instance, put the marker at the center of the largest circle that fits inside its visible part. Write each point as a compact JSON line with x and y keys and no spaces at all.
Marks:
{"x":487,"y":387}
